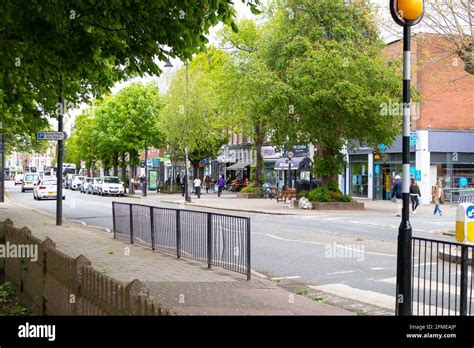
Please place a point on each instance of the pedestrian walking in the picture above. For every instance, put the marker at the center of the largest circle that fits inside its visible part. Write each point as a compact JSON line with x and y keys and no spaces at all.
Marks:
{"x":438,"y":197}
{"x":183,"y":184}
{"x":415,"y":195}
{"x":207,"y":183}
{"x":197,"y":187}
{"x":220,"y":185}
{"x":397,"y":194}
{"x":143,"y":183}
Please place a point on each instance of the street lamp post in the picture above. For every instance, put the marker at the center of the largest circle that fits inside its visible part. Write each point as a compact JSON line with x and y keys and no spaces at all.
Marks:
{"x":290,"y":156}
{"x":187,"y":198}
{"x":405,"y":13}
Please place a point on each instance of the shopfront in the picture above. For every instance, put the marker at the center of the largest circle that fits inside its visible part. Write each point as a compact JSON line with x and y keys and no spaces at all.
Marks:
{"x":434,"y":155}
{"x":297,"y":167}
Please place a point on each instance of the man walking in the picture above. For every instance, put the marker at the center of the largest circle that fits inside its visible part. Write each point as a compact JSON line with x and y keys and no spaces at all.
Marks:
{"x":220,"y":185}
{"x":438,"y":197}
{"x":197,"y":187}
{"x":397,"y":194}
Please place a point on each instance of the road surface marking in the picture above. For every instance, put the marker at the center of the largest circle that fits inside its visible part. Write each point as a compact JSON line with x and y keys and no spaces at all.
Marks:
{"x":283,"y":278}
{"x":321,"y":243}
{"x":340,"y":272}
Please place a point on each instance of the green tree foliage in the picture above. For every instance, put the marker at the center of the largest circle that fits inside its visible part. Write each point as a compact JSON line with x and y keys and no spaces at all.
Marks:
{"x":80,"y":48}
{"x":196,"y":113}
{"x":329,"y":56}
{"x":123,"y":123}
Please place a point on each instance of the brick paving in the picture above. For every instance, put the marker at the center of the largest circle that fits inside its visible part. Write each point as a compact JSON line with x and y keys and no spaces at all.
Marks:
{"x":185,"y":287}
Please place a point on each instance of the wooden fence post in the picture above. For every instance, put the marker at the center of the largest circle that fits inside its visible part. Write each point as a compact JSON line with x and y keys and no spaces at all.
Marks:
{"x":79,"y":263}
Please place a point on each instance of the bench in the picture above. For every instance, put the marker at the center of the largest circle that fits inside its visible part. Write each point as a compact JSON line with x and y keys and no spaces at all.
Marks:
{"x":285,"y":194}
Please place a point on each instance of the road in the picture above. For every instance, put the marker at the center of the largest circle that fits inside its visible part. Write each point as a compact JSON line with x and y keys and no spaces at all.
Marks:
{"x":298,"y":250}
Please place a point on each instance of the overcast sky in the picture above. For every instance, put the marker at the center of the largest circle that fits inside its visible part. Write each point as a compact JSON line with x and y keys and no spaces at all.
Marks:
{"x":163,"y":80}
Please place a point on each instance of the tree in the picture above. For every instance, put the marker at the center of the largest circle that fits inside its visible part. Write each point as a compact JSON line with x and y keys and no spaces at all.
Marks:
{"x":195,"y":114}
{"x":454,"y":20}
{"x":328,"y":54}
{"x":256,"y":89}
{"x":79,"y":49}
{"x":121,"y":124}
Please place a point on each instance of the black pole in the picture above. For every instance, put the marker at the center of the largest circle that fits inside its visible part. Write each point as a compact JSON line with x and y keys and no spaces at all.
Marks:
{"x":404,"y":296}
{"x":145,"y":184}
{"x":2,"y":173}
{"x":463,"y":301}
{"x":59,"y":172}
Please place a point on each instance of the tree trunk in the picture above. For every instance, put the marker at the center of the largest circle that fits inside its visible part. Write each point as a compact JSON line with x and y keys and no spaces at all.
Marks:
{"x":195,"y":164}
{"x":331,"y":172}
{"x":259,"y":138}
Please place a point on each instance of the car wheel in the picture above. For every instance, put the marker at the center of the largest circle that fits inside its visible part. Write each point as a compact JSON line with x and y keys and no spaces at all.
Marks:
{"x":64,"y":197}
{"x":22,"y":189}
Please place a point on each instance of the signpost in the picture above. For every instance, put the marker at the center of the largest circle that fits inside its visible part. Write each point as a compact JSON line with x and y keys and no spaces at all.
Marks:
{"x":45,"y":135}
{"x":405,"y":13}
{"x":290,"y":156}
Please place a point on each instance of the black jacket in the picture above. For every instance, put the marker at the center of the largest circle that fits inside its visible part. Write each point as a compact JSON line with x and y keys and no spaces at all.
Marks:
{"x":415,"y":190}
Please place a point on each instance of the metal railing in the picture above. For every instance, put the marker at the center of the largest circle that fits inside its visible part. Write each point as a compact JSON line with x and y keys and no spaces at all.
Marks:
{"x":216,"y":239}
{"x":458,"y":196}
{"x":442,"y":281}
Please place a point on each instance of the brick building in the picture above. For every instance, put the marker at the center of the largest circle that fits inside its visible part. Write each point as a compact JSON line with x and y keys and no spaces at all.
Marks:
{"x":442,"y":139}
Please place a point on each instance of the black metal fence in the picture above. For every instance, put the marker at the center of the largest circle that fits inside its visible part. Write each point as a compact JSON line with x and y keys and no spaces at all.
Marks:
{"x":442,"y":281}
{"x":216,"y":239}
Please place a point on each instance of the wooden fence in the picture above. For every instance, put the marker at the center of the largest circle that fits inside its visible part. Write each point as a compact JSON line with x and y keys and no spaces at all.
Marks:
{"x":57,"y":284}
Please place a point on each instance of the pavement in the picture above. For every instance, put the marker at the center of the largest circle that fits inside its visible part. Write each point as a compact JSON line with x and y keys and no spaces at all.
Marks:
{"x":229,"y":201}
{"x":185,"y":287}
{"x":292,"y":248}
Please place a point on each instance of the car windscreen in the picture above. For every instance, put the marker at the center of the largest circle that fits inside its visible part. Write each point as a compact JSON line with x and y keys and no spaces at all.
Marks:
{"x":49,"y":182}
{"x":31,"y":178}
{"x":112,"y":180}
{"x":97,"y":180}
{"x":79,"y":178}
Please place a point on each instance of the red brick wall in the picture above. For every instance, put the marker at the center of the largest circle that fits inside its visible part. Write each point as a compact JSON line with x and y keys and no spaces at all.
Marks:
{"x":447,"y":91}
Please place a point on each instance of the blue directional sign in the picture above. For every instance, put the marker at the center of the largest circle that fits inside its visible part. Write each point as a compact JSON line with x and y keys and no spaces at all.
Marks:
{"x":470,"y":212}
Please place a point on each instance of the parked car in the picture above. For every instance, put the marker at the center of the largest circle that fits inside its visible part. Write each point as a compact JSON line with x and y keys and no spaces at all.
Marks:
{"x":111,"y":185}
{"x":76,"y":182}
{"x":47,"y":188}
{"x":19,"y":179}
{"x":85,"y":184}
{"x":94,"y":186}
{"x":29,"y":181}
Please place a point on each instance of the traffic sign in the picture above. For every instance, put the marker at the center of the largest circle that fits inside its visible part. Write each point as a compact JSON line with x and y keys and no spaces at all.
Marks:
{"x":290,"y":155}
{"x":51,"y":135}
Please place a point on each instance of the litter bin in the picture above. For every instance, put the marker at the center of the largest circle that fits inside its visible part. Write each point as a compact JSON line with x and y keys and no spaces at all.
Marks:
{"x":465,"y":223}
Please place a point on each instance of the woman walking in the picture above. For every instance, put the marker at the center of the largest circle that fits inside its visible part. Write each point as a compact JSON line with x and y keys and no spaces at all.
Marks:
{"x":438,"y":197}
{"x":415,"y":195}
{"x":220,"y":185}
{"x":207,"y":183}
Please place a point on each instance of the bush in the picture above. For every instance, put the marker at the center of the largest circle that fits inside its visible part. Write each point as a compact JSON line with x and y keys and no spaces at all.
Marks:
{"x":324,"y":194}
{"x":252,"y":188}
{"x":333,"y":186}
{"x":303,"y":194}
{"x":319,"y":194}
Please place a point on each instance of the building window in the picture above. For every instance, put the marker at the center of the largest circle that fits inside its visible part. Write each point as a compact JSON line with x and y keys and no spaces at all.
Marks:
{"x":359,"y":179}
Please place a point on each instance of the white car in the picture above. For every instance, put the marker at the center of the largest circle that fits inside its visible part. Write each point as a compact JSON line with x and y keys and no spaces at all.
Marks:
{"x":47,"y":188}
{"x":19,"y":179}
{"x":77,"y":182}
{"x":85,"y":184}
{"x":111,"y":185}
{"x":94,"y":186}
{"x":29,"y":181}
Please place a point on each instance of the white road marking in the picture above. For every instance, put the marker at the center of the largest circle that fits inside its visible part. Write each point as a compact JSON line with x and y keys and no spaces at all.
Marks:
{"x":283,"y":278}
{"x":340,"y":272}
{"x":321,"y":243}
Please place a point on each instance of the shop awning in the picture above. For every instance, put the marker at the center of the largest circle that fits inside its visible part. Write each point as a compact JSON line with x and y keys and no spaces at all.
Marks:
{"x":239,"y":166}
{"x":297,"y":163}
